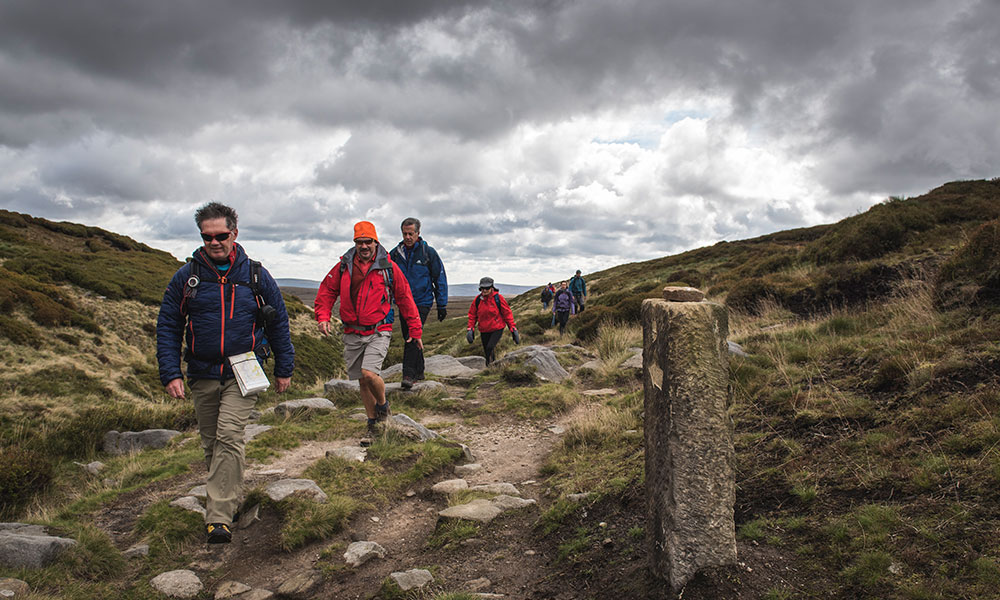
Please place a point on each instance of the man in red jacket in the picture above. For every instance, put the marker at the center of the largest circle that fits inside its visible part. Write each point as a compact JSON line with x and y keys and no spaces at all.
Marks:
{"x":367,"y":283}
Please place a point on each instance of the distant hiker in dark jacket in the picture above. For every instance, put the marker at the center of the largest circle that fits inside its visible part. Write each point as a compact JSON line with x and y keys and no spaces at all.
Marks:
{"x":578,"y":287}
{"x":563,"y":306}
{"x":547,"y":292}
{"x":211,"y":301}
{"x":428,"y":283}
{"x":491,"y":311}
{"x":367,"y":282}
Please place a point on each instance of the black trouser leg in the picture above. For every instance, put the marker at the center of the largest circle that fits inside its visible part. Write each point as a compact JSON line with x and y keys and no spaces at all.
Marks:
{"x":490,"y":340}
{"x":413,"y":357}
{"x":563,"y":317}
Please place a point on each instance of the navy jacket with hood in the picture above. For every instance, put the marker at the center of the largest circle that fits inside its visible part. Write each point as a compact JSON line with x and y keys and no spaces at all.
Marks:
{"x":219,"y":321}
{"x":420,"y":269}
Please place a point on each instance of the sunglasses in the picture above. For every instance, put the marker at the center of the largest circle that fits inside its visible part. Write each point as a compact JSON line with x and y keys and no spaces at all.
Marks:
{"x":219,"y":237}
{"x":363,"y":242}
{"x":484,"y":289}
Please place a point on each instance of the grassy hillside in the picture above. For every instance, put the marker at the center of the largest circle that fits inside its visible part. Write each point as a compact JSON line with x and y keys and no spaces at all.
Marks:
{"x":867,"y":435}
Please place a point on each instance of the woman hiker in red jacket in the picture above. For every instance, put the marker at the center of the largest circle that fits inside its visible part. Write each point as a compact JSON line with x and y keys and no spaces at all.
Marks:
{"x":492,"y":312}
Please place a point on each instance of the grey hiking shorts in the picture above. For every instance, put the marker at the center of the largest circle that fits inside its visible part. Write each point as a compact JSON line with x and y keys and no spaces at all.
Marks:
{"x":365,"y":352}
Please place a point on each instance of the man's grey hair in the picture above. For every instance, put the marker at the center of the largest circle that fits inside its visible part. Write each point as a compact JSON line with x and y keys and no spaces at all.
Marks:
{"x":411,"y":221}
{"x":215,"y":210}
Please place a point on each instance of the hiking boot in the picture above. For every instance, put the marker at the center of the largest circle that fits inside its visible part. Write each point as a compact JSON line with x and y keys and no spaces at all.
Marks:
{"x":219,"y":533}
{"x":371,"y":432}
{"x":382,"y":412}
{"x":407,"y":383}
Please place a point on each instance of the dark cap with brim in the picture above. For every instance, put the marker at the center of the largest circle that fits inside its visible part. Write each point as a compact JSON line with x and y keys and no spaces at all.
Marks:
{"x":486,"y":282}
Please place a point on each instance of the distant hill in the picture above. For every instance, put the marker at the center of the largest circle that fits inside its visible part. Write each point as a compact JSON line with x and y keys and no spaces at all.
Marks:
{"x":457,"y":290}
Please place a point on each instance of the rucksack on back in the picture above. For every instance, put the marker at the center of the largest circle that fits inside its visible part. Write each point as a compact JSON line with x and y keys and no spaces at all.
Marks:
{"x":496,"y":297}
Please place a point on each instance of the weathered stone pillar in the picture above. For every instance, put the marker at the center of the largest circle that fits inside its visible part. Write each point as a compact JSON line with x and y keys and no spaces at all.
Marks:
{"x":690,"y":485}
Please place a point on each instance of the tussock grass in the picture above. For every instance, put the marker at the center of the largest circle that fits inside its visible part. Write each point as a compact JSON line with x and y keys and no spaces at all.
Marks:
{"x":306,"y":520}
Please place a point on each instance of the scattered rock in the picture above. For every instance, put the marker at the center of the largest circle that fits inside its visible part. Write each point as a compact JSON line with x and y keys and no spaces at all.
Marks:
{"x":544,"y":360}
{"x":557,"y":429}
{"x":358,"y":553}
{"x":634,"y":361}
{"x":601,"y":392}
{"x":358,"y":416}
{"x":473,"y":362}
{"x":199,"y":491}
{"x":420,"y":386}
{"x":349,"y":453}
{"x":736,"y":349}
{"x":189,"y":503}
{"x":577,"y":497}
{"x":228,"y":589}
{"x":450,"y":486}
{"x":480,"y":510}
{"x":181,"y":583}
{"x":593,"y":365}
{"x":477,"y":585}
{"x":395,"y":369}
{"x":464,"y":470}
{"x":137,"y":551}
{"x":28,"y":546}
{"x":505,"y":502}
{"x":405,"y":423}
{"x":93,"y":468}
{"x":253,"y":430}
{"x":13,"y":588}
{"x":300,"y":586}
{"x":497,"y":488}
{"x":339,"y":385}
{"x":279,"y":490}
{"x":118,"y":443}
{"x":311,"y":405}
{"x":257,"y":594}
{"x":444,"y":365}
{"x":412,"y":579}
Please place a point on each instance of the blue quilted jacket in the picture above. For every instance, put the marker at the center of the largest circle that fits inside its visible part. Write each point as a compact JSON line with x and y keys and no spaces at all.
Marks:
{"x":220,"y":320}
{"x":424,"y":272}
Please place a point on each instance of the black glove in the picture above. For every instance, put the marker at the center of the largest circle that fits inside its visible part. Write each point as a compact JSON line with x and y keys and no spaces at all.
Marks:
{"x":470,"y":335}
{"x":517,"y":336}
{"x":442,"y":313}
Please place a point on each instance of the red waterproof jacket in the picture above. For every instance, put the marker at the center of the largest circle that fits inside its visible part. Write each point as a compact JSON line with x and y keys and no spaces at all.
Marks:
{"x":374,"y":309}
{"x":484,"y":310}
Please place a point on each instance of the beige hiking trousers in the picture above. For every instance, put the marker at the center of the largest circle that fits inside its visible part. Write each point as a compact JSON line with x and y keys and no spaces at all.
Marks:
{"x":223,"y":414}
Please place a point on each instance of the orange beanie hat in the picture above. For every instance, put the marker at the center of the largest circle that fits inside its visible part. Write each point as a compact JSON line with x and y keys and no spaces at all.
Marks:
{"x":364,"y":229}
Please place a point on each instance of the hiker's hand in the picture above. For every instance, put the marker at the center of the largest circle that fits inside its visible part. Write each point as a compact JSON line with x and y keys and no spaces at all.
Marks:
{"x":176,"y":388}
{"x":517,"y":336}
{"x":470,"y":335}
{"x":283,"y":383}
{"x":324,"y":327}
{"x":442,"y":313}
{"x":420,"y":343}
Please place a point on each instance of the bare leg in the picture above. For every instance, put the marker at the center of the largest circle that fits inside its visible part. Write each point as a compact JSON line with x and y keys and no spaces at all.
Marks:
{"x":372,"y":391}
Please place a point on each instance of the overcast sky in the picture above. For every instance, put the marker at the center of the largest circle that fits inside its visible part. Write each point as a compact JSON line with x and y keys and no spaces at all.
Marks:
{"x":531,"y":138}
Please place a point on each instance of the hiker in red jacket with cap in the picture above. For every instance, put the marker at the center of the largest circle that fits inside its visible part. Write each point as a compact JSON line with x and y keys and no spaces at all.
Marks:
{"x":491,"y":311}
{"x":367,"y":283}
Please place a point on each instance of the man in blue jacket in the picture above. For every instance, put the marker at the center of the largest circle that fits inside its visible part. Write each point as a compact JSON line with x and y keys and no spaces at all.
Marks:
{"x":226,"y":304}
{"x":578,"y":287}
{"x":428,"y":282}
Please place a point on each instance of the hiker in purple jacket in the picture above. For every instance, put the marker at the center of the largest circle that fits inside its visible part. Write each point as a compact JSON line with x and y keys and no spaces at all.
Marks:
{"x":563,"y":306}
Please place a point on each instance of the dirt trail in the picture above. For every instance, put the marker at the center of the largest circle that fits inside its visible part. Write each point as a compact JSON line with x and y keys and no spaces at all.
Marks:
{"x":505,"y":554}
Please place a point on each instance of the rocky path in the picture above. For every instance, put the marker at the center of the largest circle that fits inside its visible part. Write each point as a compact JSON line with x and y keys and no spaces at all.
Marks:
{"x":502,"y":559}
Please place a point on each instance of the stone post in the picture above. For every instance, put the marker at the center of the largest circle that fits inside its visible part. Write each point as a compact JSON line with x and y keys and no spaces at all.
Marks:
{"x":690,"y":483}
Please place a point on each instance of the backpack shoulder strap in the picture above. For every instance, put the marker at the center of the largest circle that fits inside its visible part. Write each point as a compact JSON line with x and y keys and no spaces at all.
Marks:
{"x":497,"y":298}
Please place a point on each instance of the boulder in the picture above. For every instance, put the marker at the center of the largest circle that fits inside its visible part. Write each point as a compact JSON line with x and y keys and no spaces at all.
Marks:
{"x":28,"y":546}
{"x":181,"y":583}
{"x":404,"y":422}
{"x":279,"y":490}
{"x":420,"y":386}
{"x":473,"y":362}
{"x":544,"y":360}
{"x":312,"y":405}
{"x":118,"y":443}
{"x":341,"y":385}
{"x":444,"y":365}
{"x":469,"y":469}
{"x":358,"y":553}
{"x":480,"y":510}
{"x":497,"y":488}
{"x":231,"y":589}
{"x":301,"y":585}
{"x":13,"y":588}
